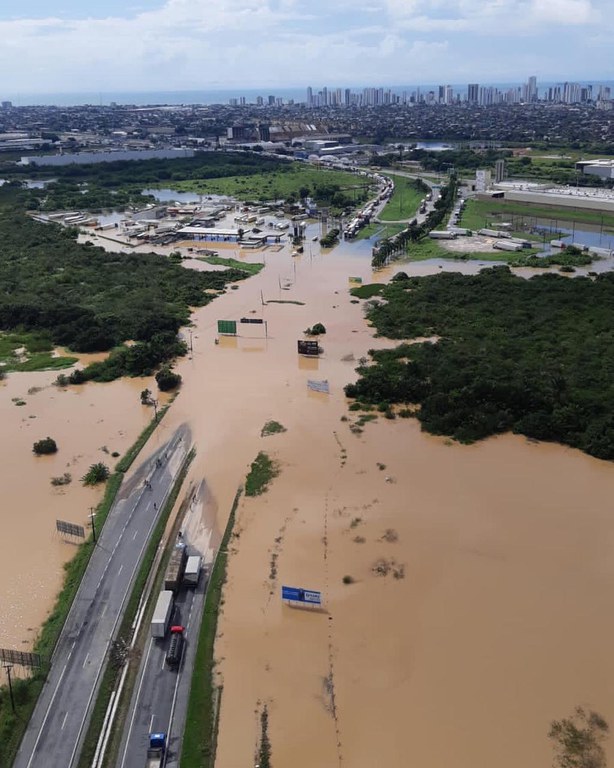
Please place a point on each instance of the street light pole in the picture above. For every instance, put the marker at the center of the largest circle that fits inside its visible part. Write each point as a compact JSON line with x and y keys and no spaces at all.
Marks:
{"x":8,"y":668}
{"x":93,"y":519}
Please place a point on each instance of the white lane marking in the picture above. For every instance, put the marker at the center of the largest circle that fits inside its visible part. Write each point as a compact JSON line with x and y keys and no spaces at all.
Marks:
{"x":151,"y":724}
{"x":85,"y":662}
{"x":64,"y":721}
{"x":40,"y":732}
{"x":138,"y":698}
{"x":121,"y":568}
{"x":136,"y":533}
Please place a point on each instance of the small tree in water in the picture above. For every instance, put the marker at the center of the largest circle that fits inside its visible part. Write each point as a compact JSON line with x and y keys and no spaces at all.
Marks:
{"x":97,"y":473}
{"x":578,"y":740}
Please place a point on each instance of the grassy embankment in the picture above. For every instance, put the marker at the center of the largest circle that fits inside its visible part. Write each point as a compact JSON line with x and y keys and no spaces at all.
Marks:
{"x":402,"y":206}
{"x":404,"y":202}
{"x":200,"y":735}
{"x":380,"y":231}
{"x":273,"y":185}
{"x":483,"y":213}
{"x":263,"y":469}
{"x":248,"y":267}
{"x":12,"y":726}
{"x":36,"y":356}
{"x":114,"y":667}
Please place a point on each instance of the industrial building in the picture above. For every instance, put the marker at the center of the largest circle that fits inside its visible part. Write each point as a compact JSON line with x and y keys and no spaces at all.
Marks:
{"x":604,"y":169}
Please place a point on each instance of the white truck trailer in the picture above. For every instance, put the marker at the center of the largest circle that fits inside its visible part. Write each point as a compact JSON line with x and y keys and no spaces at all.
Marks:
{"x":162,"y":614}
{"x":192,"y":571}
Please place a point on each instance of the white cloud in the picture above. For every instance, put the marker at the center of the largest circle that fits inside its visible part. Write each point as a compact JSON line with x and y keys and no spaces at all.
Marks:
{"x":186,"y":44}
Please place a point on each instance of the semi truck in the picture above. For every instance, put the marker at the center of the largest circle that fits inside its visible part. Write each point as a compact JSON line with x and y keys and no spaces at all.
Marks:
{"x":175,"y":648}
{"x":176,"y":566}
{"x":191,"y":574}
{"x":156,"y":751}
{"x":162,"y":614}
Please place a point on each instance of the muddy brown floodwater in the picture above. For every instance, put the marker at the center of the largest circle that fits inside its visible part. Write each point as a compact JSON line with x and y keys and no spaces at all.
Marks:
{"x":478,"y":608}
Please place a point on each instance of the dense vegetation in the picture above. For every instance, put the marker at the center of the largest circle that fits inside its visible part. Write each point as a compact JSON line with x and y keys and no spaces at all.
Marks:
{"x":84,"y":298}
{"x":245,"y":175}
{"x":531,"y":356}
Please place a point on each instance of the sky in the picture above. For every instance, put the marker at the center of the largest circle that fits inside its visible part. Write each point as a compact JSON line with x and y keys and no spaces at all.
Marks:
{"x":152,"y":45}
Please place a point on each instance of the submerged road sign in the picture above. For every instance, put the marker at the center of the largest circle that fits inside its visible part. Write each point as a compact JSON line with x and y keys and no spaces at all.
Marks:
{"x":309,"y":348}
{"x":228,"y":327}
{"x":298,"y":595}
{"x":318,"y":386}
{"x":23,"y":658}
{"x":70,"y":528}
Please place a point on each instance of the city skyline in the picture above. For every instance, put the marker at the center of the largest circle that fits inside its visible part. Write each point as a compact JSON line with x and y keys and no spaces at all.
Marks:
{"x":209,"y":45}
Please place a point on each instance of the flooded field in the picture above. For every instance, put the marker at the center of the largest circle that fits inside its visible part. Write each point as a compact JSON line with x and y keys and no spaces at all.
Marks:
{"x":467,"y":589}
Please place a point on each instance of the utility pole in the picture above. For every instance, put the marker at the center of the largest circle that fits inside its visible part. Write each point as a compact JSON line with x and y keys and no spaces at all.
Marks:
{"x":191,"y":345}
{"x":155,"y":405}
{"x":93,"y":519}
{"x":8,"y":668}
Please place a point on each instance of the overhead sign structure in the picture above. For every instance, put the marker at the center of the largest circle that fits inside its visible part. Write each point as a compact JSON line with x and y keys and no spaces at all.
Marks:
{"x":309,"y":348}
{"x":227,"y":327}
{"x":70,"y":529}
{"x":298,"y":595}
{"x":23,"y":658}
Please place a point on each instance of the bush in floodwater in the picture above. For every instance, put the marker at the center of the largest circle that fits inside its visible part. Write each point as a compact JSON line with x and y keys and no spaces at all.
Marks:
{"x":45,"y":446}
{"x":97,"y":473}
{"x":317,"y":330}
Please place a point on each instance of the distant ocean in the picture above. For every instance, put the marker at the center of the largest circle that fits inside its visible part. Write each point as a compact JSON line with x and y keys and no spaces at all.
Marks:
{"x":148,"y":98}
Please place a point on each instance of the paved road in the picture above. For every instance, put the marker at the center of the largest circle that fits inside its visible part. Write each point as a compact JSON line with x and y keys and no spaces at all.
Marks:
{"x":58,"y":725}
{"x":160,"y":697}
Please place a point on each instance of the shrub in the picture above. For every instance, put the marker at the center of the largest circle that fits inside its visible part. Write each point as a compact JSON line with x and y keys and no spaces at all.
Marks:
{"x":167,"y":379}
{"x":64,"y":479}
{"x":45,"y":446}
{"x":97,"y":473}
{"x":317,"y":330}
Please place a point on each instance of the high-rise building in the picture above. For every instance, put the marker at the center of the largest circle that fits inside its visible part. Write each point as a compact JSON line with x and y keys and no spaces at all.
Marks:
{"x":532,"y":89}
{"x":499,"y":170}
{"x":473,"y":93}
{"x":309,"y":97}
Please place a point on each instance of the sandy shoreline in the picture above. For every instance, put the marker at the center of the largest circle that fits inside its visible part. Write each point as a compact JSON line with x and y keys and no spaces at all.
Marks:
{"x":500,"y":619}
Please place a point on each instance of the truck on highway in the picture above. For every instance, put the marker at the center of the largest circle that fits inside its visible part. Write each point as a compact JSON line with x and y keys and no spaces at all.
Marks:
{"x":175,"y":648}
{"x":162,"y":614}
{"x":157,"y":748}
{"x":176,"y":566}
{"x":191,"y":574}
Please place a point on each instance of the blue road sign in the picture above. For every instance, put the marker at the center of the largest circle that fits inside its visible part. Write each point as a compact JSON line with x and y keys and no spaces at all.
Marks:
{"x":301,"y":595}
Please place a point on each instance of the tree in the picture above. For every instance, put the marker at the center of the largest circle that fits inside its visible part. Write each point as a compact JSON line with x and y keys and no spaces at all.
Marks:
{"x":97,"y":473}
{"x":578,"y":740}
{"x":146,"y":398}
{"x":167,"y":379}
{"x":45,"y":446}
